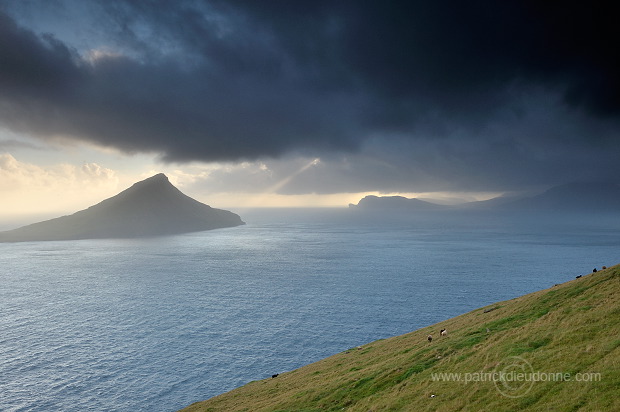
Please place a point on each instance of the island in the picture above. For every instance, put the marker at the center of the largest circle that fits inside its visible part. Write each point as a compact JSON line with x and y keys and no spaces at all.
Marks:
{"x":584,"y":197}
{"x":151,"y":207}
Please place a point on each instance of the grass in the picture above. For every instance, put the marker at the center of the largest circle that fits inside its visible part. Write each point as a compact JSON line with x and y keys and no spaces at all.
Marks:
{"x":570,"y":330}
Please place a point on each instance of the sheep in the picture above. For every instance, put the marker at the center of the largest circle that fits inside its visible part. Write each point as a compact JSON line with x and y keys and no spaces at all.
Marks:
{"x":430,"y":338}
{"x":274,"y":376}
{"x":577,"y":277}
{"x":594,"y":270}
{"x":443,"y":332}
{"x":604,"y":267}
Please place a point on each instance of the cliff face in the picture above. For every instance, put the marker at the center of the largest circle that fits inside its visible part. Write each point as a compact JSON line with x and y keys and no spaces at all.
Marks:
{"x":152,"y":207}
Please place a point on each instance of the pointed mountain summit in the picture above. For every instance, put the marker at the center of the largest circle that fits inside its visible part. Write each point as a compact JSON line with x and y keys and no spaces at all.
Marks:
{"x":151,"y":207}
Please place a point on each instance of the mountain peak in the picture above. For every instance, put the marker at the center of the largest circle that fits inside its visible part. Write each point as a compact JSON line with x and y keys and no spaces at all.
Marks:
{"x":151,"y":207}
{"x":158,"y":176}
{"x":156,"y":182}
{"x":158,"y":179}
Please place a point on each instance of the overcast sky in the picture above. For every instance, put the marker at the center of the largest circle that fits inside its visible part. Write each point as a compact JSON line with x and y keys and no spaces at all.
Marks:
{"x":318,"y":101}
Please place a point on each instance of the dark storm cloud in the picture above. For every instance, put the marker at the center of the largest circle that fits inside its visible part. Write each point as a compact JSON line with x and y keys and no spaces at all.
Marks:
{"x":455,"y":85}
{"x":228,"y":105}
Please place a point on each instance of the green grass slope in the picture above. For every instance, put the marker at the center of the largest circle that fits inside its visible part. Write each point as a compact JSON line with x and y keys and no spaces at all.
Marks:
{"x":554,"y":350}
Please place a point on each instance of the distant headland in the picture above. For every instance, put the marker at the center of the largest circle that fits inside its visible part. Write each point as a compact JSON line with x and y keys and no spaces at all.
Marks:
{"x":587,"y":197}
{"x":151,"y":207}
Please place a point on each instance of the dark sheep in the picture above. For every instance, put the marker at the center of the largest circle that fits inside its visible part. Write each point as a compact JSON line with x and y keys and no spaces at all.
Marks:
{"x":430,"y":338}
{"x":594,"y":270}
{"x":274,"y":376}
{"x":577,"y":277}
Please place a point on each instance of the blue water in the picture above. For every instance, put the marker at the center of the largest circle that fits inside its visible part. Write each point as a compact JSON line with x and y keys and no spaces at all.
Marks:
{"x":157,"y":324}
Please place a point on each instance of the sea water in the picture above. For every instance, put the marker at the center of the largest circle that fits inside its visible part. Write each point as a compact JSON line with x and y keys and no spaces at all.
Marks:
{"x":157,"y":324}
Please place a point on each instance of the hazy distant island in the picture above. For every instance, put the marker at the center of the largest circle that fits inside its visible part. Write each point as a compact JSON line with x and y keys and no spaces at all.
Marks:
{"x":398,"y":203}
{"x":594,"y":197}
{"x":151,"y":207}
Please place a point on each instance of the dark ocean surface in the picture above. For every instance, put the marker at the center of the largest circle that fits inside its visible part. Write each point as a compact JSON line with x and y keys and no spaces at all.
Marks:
{"x":157,"y":324}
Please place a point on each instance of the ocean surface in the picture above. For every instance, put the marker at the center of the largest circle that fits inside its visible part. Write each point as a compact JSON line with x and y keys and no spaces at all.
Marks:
{"x":157,"y":324}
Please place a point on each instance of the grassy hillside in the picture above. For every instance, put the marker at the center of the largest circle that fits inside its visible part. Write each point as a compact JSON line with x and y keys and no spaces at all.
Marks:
{"x":565,"y":342}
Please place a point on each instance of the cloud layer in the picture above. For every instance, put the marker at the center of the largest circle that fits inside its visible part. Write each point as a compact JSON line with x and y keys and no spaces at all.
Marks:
{"x":25,"y":187}
{"x":404,"y":94}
